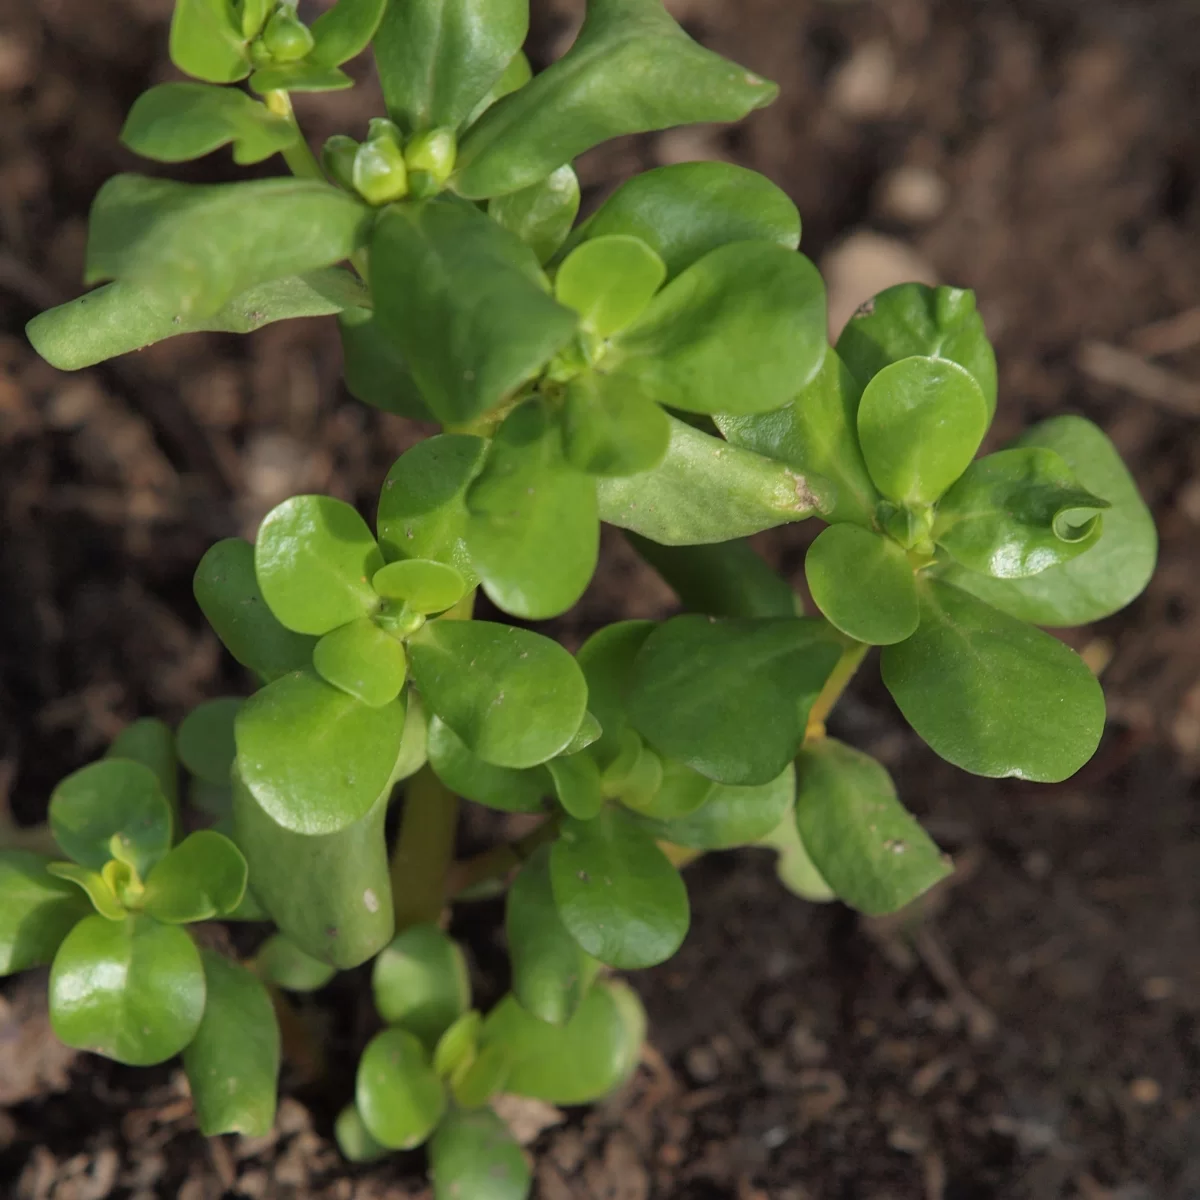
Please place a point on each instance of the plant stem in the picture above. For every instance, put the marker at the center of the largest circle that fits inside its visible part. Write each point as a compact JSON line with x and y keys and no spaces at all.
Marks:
{"x":499,"y":861}
{"x":835,"y":685}
{"x":424,"y":850}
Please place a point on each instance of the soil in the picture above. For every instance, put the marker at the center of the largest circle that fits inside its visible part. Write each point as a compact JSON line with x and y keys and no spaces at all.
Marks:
{"x":1033,"y":1030}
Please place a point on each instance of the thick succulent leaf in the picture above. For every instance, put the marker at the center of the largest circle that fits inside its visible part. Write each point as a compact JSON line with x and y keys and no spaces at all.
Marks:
{"x":705,"y":490}
{"x":473,"y":1154}
{"x":423,"y":584}
{"x":314,"y":559}
{"x":374,"y":371}
{"x":730,"y":698}
{"x":577,"y":784}
{"x":94,"y":885}
{"x":816,"y":435}
{"x":742,"y":330}
{"x":793,"y":866}
{"x":607,"y":659}
{"x":345,"y":30}
{"x":532,"y":530}
{"x":363,"y":661}
{"x":991,"y":694}
{"x":631,"y":70}
{"x":912,"y":318}
{"x":420,"y":983}
{"x":920,"y":422}
{"x":36,"y":911}
{"x":467,"y":775}
{"x":201,"y":878}
{"x":131,"y":990}
{"x":281,"y":962}
{"x":299,"y":77}
{"x":609,"y":281}
{"x":617,"y":894}
{"x":869,"y":849}
{"x":354,"y":1138}
{"x":542,"y":214}
{"x":226,"y":588}
{"x":194,"y":247}
{"x":111,"y":799}
{"x":422,"y":507}
{"x":680,"y":791}
{"x":437,"y":59}
{"x":232,"y":1063}
{"x":516,"y":75}
{"x":1016,"y":513}
{"x":515,"y":698}
{"x":175,"y":122}
{"x":315,"y":758}
{"x":150,"y":742}
{"x":207,"y":43}
{"x":863,"y":584}
{"x":396,"y":1092}
{"x":205,"y":739}
{"x":591,"y":1055}
{"x":685,"y":210}
{"x":343,"y":913}
{"x":1111,"y":573}
{"x":463,"y":301}
{"x":121,"y":317}
{"x":612,"y":427}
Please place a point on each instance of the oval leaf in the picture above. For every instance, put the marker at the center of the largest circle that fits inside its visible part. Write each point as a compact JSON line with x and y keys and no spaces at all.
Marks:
{"x":374,"y":371}
{"x":425,"y":585}
{"x":612,"y":427}
{"x":95,"y":886}
{"x":577,"y":785}
{"x":281,"y":962}
{"x":420,"y":983}
{"x":345,"y":30}
{"x":607,"y":659}
{"x":205,"y":739}
{"x":991,"y":694}
{"x":151,"y":743}
{"x":36,"y":911}
{"x":793,"y":866}
{"x":203,"y":877}
{"x":354,"y":1138}
{"x":396,"y":1093}
{"x":473,"y":1154}
{"x":470,"y":777}
{"x":206,"y":42}
{"x":542,"y":214}
{"x":363,"y":661}
{"x":609,"y":281}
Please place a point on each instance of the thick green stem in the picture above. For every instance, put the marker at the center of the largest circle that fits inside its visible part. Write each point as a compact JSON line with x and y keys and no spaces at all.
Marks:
{"x":835,"y":685}
{"x":499,"y":861}
{"x":424,"y":850}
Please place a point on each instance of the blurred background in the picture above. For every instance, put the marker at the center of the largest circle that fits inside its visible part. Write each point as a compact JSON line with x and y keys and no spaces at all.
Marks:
{"x":1034,"y":1030}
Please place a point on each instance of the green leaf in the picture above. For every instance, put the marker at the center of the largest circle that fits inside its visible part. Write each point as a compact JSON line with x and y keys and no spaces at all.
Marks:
{"x":175,"y":122}
{"x":151,"y":743}
{"x":871,"y":851}
{"x":36,"y":911}
{"x":612,"y":427}
{"x":516,"y":75}
{"x":206,"y":42}
{"x":920,"y":422}
{"x":374,"y":371}
{"x":542,"y":214}
{"x":515,"y":698}
{"x":863,"y":584}
{"x":363,"y":661}
{"x":532,"y":529}
{"x":342,"y":915}
{"x":281,"y":962}
{"x":617,"y":894}
{"x":591,"y":1055}
{"x":194,"y":247}
{"x":742,"y":330}
{"x":94,"y":885}
{"x":1109,"y":575}
{"x":299,"y":77}
{"x":549,"y":970}
{"x":730,"y":698}
{"x":606,"y":660}
{"x":609,"y":281}
{"x":203,"y":877}
{"x":397,"y":1094}
{"x":345,"y":30}
{"x":470,"y":777}
{"x":464,"y":302}
{"x":631,"y":70}
{"x":477,"y":1080}
{"x":472,"y":1154}
{"x":1016,"y":513}
{"x":205,"y":739}
{"x":458,"y":1045}
{"x":437,"y":59}
{"x":635,"y":776}
{"x":577,"y":785}
{"x":227,"y":591}
{"x":315,"y":758}
{"x":424,"y":584}
{"x":991,"y":694}
{"x":354,"y":1138}
{"x":680,"y":791}
{"x":314,"y":559}
{"x":705,"y":490}
{"x":793,"y":866}
{"x":685,"y":210}
{"x":731,"y":816}
{"x":912,"y":318}
{"x":420,"y":983}
{"x":816,"y":435}
{"x":131,"y":990}
{"x":107,"y":799}
{"x":422,"y":507}
{"x":232,"y":1063}
{"x":119,"y":317}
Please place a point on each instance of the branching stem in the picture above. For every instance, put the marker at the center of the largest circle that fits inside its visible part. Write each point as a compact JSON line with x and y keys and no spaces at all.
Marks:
{"x":424,"y":850}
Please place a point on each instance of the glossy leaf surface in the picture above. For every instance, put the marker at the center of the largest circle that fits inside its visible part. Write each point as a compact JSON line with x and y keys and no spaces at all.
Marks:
{"x":991,"y":694}
{"x":396,"y":1093}
{"x":36,"y":911}
{"x":205,"y":739}
{"x":281,"y":962}
{"x":420,"y":983}
{"x":345,"y":30}
{"x":609,"y":281}
{"x":473,"y":1154}
{"x":617,"y":894}
{"x":863,"y":583}
{"x":542,"y":214}
{"x":201,"y":878}
{"x":363,"y":661}
{"x":374,"y":370}
{"x":607,"y":659}
{"x":577,"y":785}
{"x":612,"y":427}
{"x":94,"y":886}
{"x":866,"y":846}
{"x":515,"y":698}
{"x":131,"y":990}
{"x":424,"y":584}
{"x":730,"y":698}
{"x":232,"y":1063}
{"x":469,"y":776}
{"x":680,"y":791}
{"x":150,"y":742}
{"x":205,"y":41}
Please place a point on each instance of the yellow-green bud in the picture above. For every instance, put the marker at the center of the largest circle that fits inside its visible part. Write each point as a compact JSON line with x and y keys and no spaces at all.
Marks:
{"x":286,"y":37}
{"x":381,"y":127}
{"x":433,"y":151}
{"x":380,"y":175}
{"x":337,"y":157}
{"x":253,"y":17}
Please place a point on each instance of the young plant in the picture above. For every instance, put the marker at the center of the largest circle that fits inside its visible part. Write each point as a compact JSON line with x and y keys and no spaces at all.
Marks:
{"x":663,"y":366}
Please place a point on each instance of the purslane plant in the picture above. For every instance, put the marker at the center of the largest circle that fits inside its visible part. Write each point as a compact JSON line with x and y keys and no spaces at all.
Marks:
{"x":663,"y":366}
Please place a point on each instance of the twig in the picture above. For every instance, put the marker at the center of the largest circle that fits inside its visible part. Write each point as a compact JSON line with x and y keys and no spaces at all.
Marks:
{"x":1124,"y":369}
{"x":1170,"y":336}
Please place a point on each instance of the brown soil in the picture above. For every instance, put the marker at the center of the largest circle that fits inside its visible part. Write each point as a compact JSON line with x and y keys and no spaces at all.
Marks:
{"x":1033,"y":1031}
